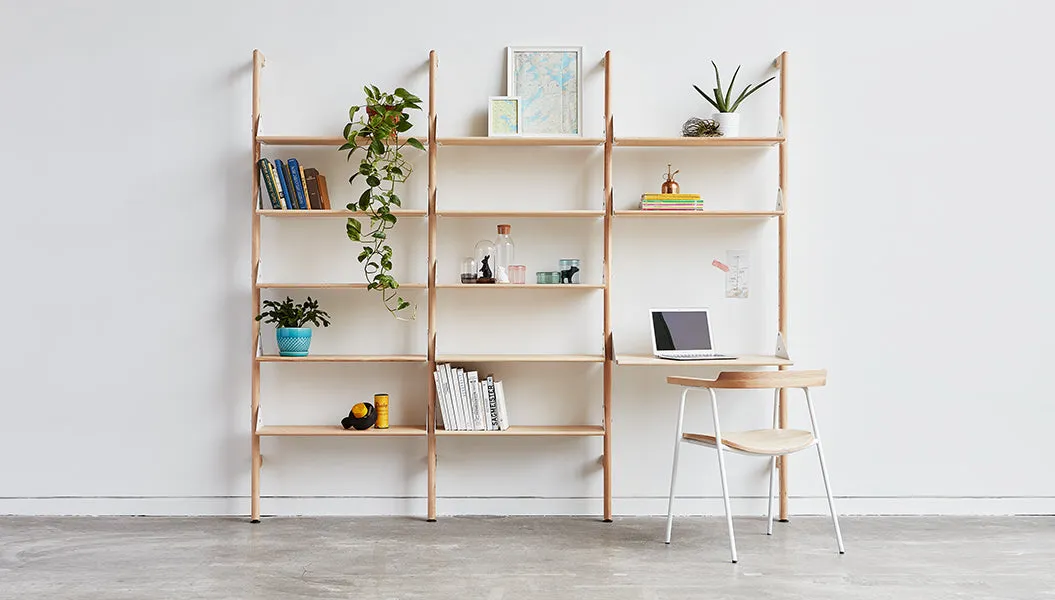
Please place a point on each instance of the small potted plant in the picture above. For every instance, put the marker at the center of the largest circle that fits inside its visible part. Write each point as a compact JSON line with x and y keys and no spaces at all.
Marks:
{"x":290,"y":319}
{"x":728,"y":120}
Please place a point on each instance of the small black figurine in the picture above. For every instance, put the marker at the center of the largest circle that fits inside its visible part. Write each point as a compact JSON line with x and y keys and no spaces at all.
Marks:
{"x":566,"y":274}
{"x":486,"y":276}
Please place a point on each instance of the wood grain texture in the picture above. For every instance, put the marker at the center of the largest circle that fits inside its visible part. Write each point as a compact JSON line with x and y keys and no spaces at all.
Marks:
{"x":254,"y":265}
{"x":334,"y":214}
{"x":742,"y":360}
{"x":338,"y":431}
{"x":532,"y":430}
{"x":764,"y":442}
{"x":673,"y":142}
{"x":524,"y":358}
{"x":319,"y":140}
{"x":697,"y":214}
{"x":783,"y":270}
{"x":520,"y":286}
{"x":755,"y":380}
{"x":520,"y":214}
{"x":609,"y":348}
{"x":335,"y":358}
{"x":330,"y":286}
{"x":430,"y":410}
{"x":518,"y":141}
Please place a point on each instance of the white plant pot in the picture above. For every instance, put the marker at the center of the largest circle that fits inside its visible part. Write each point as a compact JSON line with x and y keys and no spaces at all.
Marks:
{"x":728,"y":124}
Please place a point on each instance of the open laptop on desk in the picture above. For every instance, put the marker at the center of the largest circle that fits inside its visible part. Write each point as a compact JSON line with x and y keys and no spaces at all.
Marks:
{"x":683,"y":334}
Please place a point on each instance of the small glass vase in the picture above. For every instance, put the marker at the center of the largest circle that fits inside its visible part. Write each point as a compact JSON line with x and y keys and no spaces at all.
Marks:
{"x":484,"y":257}
{"x":504,"y":254}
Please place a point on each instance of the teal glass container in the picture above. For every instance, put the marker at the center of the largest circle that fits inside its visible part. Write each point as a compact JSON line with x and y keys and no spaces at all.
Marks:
{"x":569,"y":270}
{"x":547,"y":277}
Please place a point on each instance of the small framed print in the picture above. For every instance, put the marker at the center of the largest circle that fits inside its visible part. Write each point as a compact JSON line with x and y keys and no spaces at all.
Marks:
{"x":549,"y":79}
{"x":503,"y":116}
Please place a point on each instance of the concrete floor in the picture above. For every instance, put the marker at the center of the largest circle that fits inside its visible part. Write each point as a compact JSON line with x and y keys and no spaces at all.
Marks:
{"x":523,"y":557}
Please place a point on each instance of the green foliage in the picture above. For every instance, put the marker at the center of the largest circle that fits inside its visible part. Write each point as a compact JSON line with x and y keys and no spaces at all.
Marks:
{"x":288,"y":314}
{"x":375,"y":131}
{"x":724,"y":103}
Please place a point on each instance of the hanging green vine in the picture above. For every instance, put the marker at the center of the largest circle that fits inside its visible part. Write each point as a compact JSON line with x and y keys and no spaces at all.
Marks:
{"x":375,"y":131}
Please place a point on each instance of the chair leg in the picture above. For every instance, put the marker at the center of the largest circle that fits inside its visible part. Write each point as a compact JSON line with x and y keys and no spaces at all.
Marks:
{"x":769,"y":493}
{"x":831,"y":502}
{"x":721,"y":469}
{"x":824,"y":472}
{"x":674,"y":467}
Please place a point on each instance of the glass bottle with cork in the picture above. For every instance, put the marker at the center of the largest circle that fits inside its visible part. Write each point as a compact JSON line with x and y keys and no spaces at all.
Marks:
{"x":504,"y":253}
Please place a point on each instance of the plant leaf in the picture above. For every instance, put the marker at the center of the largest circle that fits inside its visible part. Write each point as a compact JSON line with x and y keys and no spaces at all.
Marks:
{"x":718,"y":82}
{"x":747,"y":93}
{"x":373,"y":181}
{"x":376,"y":146}
{"x":346,"y":146}
{"x":708,"y":98}
{"x":413,"y":142}
{"x":729,"y":94}
{"x":721,"y":101}
{"x":355,"y":229}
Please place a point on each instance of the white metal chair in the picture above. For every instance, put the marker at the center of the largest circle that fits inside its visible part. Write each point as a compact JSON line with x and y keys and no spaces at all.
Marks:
{"x":759,"y":442}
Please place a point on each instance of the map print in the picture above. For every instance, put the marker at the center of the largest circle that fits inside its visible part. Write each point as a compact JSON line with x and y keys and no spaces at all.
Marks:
{"x":504,"y":117}
{"x":548,"y":85}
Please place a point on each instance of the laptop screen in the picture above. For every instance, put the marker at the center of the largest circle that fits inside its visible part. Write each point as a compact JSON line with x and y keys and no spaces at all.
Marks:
{"x":681,"y":330}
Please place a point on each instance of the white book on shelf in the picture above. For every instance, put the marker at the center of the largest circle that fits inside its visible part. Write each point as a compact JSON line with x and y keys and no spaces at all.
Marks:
{"x":463,"y":397}
{"x":452,"y":389}
{"x":448,"y":390}
{"x":473,"y":384}
{"x":439,"y":398}
{"x":503,"y":416}
{"x":481,"y":392}
{"x":492,"y":404}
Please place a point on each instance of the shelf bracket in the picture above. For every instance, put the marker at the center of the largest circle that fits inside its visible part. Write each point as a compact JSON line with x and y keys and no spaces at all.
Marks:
{"x":259,"y":419}
{"x":780,"y":126}
{"x":776,"y":62}
{"x":256,"y":276}
{"x":782,"y":348}
{"x":780,"y":200}
{"x":259,"y":345}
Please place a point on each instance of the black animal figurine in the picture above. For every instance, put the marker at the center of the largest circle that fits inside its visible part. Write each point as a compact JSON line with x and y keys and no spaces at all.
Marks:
{"x":486,"y":276}
{"x":566,"y":274}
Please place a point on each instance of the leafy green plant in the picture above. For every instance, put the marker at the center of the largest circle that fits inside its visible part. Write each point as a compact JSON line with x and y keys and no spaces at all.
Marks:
{"x":289,"y":314}
{"x":724,"y":103}
{"x":375,"y":131}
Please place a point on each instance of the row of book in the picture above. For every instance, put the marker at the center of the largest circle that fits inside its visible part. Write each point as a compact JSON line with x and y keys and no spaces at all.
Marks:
{"x":671,"y":202}
{"x":289,"y":186}
{"x":469,"y":402}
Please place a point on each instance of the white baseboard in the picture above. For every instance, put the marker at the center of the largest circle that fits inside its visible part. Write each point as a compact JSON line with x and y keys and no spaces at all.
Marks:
{"x":416,"y":507}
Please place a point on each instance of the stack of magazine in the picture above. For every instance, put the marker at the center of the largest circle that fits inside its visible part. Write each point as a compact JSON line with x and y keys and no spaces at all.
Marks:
{"x":469,"y":402}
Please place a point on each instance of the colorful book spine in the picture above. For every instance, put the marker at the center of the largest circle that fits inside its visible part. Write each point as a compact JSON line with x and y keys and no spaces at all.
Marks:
{"x":324,"y":194}
{"x":311,"y":183}
{"x":278,"y":188}
{"x":269,"y":184}
{"x":298,"y":183}
{"x":670,"y":196}
{"x":283,"y":183}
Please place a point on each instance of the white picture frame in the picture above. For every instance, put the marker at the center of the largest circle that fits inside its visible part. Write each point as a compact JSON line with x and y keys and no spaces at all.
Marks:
{"x":501,"y":128}
{"x":548,"y":108}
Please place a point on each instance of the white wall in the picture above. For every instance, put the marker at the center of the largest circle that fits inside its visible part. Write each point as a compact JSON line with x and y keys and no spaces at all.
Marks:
{"x":920,"y":242}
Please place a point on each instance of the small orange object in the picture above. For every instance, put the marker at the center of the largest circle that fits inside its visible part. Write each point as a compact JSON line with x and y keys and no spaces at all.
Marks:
{"x":381,"y":406}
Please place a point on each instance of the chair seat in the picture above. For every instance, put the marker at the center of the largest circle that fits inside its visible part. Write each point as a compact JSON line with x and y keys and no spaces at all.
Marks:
{"x":770,"y":442}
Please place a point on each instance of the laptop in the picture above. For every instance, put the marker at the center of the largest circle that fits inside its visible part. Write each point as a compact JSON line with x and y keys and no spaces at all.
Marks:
{"x":683,"y":334}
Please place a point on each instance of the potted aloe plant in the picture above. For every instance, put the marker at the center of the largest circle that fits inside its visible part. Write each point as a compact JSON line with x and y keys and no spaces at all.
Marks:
{"x":726,"y":105}
{"x":290,"y":319}
{"x":375,"y":131}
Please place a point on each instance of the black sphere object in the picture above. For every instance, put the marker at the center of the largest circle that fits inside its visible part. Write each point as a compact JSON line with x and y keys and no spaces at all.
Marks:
{"x":361,"y":423}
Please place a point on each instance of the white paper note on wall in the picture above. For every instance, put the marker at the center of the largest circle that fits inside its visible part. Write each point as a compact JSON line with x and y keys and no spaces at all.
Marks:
{"x":736,"y":279}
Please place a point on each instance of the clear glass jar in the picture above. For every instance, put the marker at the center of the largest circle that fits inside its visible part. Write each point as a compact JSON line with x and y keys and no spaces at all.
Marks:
{"x":468,"y":273}
{"x":504,"y":254}
{"x":569,"y":270}
{"x":517,"y":273}
{"x":484,"y":259}
{"x":547,"y":277}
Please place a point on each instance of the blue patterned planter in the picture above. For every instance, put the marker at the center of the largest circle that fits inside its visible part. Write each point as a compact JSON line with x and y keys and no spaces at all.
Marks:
{"x":293,"y":341}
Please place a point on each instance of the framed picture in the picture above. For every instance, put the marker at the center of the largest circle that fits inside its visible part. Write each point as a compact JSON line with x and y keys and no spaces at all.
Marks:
{"x":503,"y":116}
{"x":548,"y":81}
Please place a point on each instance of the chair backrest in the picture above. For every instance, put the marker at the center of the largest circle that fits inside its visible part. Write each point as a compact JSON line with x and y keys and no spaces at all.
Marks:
{"x":749,"y":380}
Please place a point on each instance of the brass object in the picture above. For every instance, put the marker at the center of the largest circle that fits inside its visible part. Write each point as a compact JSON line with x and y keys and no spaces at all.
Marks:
{"x":669,"y":185}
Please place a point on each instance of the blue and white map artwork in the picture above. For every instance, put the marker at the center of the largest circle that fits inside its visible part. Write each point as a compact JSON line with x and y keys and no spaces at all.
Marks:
{"x":548,"y":85}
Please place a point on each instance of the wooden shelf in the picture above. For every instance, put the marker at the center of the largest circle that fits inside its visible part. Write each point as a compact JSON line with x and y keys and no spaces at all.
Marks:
{"x":338,"y":431}
{"x":521,"y":214}
{"x":674,"y":142}
{"x":333,"y":286}
{"x":520,"y":286}
{"x":699,"y":214}
{"x":533,"y":430}
{"x":519,"y":141}
{"x":315,"y":140}
{"x":524,"y":358}
{"x":744,"y":360}
{"x":332,"y":214}
{"x":346,"y":358}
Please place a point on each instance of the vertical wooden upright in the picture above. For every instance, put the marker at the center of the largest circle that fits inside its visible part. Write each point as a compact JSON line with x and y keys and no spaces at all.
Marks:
{"x":609,"y":349}
{"x":430,"y":418}
{"x":782,"y":63}
{"x":258,"y":63}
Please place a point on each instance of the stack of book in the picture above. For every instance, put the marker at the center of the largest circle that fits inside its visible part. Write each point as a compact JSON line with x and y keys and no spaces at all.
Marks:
{"x":469,"y":402}
{"x":289,"y":186}
{"x":671,"y":202}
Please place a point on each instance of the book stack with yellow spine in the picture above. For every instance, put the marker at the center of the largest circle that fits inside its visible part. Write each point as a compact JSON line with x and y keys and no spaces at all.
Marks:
{"x":671,"y":202}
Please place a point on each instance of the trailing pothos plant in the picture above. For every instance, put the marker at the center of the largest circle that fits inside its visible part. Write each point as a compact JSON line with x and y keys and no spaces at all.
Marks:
{"x":375,"y":131}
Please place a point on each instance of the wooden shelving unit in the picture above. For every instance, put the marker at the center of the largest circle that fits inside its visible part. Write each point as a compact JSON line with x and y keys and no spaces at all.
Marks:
{"x":331,"y":286}
{"x":607,"y":357}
